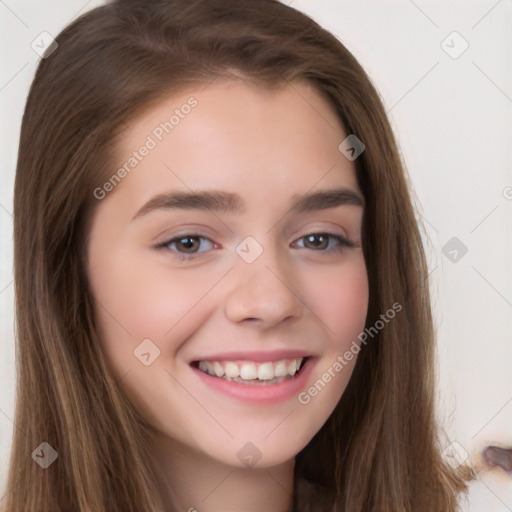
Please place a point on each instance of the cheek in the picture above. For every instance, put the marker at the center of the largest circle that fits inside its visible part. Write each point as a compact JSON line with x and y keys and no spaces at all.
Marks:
{"x":340,"y":299}
{"x":162,"y":300}
{"x":129,"y":292}
{"x":135,"y":301}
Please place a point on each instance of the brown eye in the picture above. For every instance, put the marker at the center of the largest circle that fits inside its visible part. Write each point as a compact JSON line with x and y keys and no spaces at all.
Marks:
{"x":188,"y":243}
{"x":321,"y":241}
{"x":186,"y":246}
{"x":317,"y":241}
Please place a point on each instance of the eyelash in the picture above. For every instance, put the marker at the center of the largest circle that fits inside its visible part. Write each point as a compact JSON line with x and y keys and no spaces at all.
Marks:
{"x":343,"y":243}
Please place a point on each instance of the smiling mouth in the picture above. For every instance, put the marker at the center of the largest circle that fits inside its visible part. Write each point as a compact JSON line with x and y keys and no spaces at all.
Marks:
{"x":252,"y":372}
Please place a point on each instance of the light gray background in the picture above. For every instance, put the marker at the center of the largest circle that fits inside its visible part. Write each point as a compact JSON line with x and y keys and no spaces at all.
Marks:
{"x":453,"y":119}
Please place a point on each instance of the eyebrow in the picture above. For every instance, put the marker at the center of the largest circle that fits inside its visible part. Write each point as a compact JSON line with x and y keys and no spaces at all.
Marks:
{"x":221,"y":201}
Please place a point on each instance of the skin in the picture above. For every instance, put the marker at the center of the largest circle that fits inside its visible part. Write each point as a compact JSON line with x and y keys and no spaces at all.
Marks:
{"x":266,"y":146}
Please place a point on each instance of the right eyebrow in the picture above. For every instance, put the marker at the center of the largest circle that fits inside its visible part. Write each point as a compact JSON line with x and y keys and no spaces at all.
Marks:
{"x":215,"y":200}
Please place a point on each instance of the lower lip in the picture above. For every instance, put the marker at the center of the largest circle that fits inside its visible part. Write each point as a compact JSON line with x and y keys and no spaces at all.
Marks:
{"x":261,"y":393}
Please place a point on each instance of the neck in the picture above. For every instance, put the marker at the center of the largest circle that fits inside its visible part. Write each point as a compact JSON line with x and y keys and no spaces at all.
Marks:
{"x":197,"y":483}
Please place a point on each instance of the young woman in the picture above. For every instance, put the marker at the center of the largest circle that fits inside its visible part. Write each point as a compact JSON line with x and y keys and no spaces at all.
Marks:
{"x":221,"y":291}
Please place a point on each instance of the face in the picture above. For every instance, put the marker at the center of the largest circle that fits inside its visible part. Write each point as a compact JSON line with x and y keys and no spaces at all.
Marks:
{"x":231,"y":244}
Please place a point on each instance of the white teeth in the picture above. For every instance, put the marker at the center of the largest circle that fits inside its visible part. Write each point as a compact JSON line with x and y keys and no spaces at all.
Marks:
{"x":232,"y":370}
{"x":248,"y":371}
{"x":217,"y":368}
{"x":281,"y":369}
{"x":266,"y":371}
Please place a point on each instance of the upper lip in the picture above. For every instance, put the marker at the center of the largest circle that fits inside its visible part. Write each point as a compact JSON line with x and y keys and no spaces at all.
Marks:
{"x":274,"y":355}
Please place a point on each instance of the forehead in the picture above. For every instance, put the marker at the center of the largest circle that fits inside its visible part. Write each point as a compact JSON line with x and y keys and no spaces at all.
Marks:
{"x":235,"y":134}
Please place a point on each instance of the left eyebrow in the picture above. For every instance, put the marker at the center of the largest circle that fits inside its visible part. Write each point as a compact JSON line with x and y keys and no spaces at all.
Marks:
{"x":217,"y":200}
{"x":325,"y":199}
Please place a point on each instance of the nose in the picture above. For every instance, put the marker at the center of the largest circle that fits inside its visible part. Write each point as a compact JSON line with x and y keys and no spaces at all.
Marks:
{"x":263,"y":292}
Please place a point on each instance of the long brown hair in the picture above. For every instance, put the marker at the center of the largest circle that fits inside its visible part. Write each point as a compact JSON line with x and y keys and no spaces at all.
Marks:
{"x":380,"y":450}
